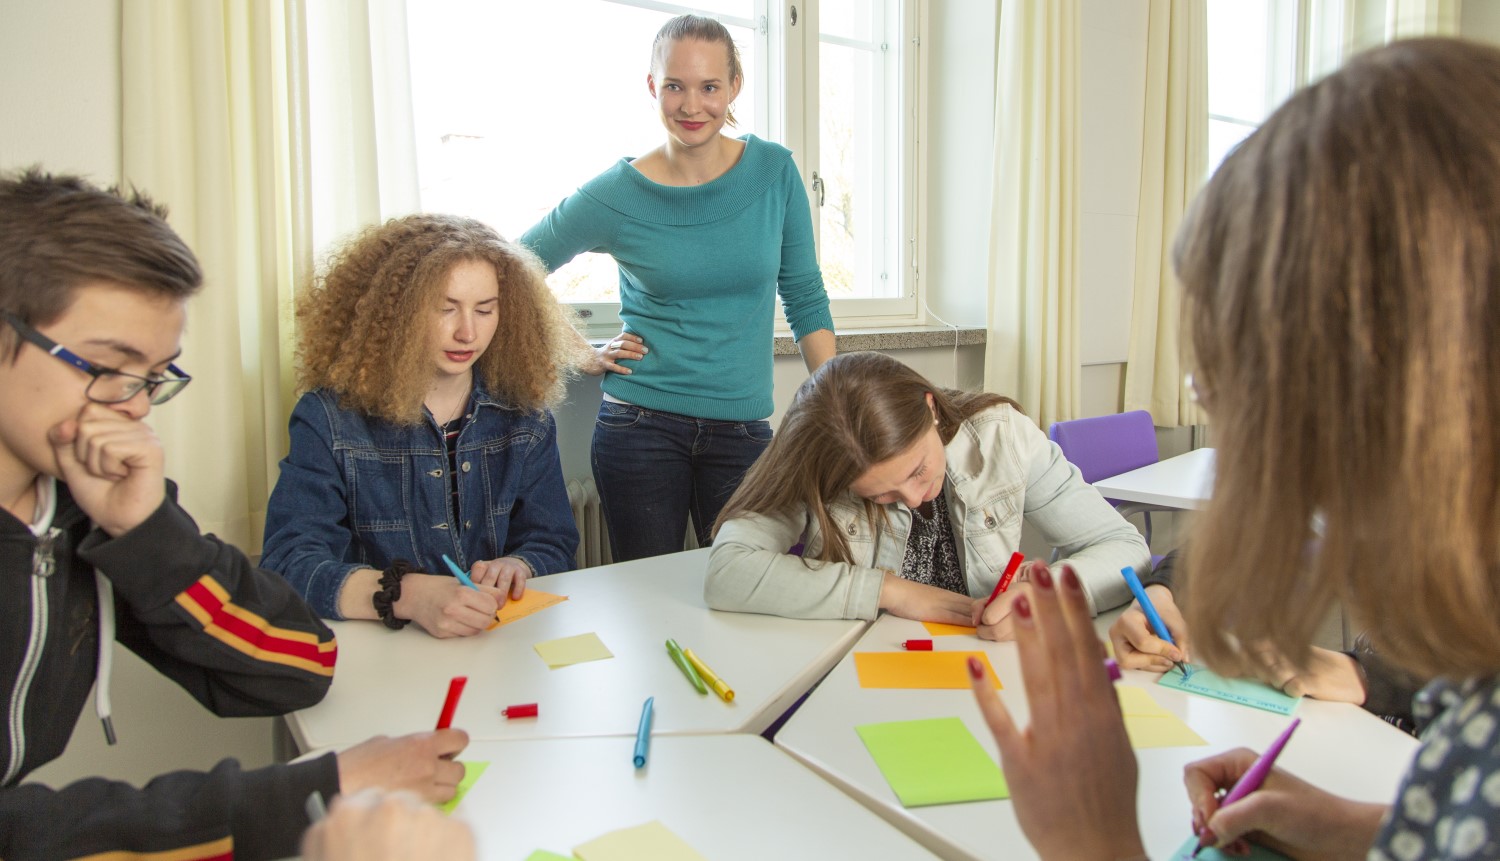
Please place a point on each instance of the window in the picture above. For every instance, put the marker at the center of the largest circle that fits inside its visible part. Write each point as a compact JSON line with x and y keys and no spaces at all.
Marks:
{"x":1259,"y":52}
{"x":517,"y":104}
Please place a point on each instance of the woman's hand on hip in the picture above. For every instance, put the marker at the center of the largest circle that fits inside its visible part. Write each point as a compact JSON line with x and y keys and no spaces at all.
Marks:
{"x":624,"y":347}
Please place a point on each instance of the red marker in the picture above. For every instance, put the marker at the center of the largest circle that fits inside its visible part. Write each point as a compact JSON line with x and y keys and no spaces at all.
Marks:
{"x":450,"y":705}
{"x":1010,"y":574}
{"x":917,"y":645}
{"x":524,"y":710}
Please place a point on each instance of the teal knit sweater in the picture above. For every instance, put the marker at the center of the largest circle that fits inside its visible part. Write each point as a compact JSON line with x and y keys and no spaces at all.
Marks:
{"x":700,"y":267}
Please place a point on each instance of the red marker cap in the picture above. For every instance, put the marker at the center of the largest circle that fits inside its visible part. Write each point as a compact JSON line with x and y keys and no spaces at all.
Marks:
{"x":524,"y":710}
{"x":917,"y":645}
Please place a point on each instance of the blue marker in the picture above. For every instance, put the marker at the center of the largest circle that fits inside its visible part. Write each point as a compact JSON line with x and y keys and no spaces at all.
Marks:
{"x":643,"y":733}
{"x":464,"y":578}
{"x":1149,"y":609}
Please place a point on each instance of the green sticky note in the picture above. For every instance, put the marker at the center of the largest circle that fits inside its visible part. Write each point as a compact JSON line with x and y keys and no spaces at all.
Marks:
{"x":935,"y":761}
{"x":544,"y":855}
{"x":652,"y":841}
{"x":472,"y":771}
{"x":1246,"y":692}
{"x":1257,"y":853}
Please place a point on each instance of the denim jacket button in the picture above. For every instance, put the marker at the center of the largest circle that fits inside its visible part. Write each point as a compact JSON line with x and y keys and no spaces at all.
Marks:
{"x":436,"y":473}
{"x":468,"y":524}
{"x":466,"y":466}
{"x":989,"y":521}
{"x":852,"y":529}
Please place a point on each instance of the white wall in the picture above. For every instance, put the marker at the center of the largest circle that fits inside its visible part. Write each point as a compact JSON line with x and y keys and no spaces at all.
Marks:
{"x":1480,"y":19}
{"x":59,"y":72}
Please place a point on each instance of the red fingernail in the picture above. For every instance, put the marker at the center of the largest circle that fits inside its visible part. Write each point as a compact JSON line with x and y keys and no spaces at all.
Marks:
{"x":1043,"y":577}
{"x":1070,"y":578}
{"x":1023,"y":607}
{"x":976,"y":669}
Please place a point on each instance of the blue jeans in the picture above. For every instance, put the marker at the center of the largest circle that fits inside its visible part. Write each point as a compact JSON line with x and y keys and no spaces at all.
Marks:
{"x":655,"y":469}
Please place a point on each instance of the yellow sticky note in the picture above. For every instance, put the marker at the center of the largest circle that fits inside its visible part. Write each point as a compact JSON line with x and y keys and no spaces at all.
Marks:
{"x":650,"y":842}
{"x":531,"y":602}
{"x":573,"y":650}
{"x":472,"y":771}
{"x":918,"y":669}
{"x":1138,"y":701}
{"x":1150,"y":725}
{"x":938,"y":629}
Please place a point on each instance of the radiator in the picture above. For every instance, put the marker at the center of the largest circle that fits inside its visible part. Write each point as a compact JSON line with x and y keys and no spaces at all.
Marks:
{"x":593,"y":538}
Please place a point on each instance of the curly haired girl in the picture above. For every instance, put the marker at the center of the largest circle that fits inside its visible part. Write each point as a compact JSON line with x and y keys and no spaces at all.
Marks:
{"x":414,"y":439}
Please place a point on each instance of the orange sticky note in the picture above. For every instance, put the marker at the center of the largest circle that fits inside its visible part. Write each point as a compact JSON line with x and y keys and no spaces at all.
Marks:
{"x":938,"y":629}
{"x":519,"y":608}
{"x":918,"y":669}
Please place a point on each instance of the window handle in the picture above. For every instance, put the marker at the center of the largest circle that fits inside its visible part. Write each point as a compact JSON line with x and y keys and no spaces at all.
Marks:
{"x":818,"y":187}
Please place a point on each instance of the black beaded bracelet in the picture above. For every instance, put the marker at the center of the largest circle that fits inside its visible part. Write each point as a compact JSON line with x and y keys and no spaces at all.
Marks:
{"x":390,"y":592}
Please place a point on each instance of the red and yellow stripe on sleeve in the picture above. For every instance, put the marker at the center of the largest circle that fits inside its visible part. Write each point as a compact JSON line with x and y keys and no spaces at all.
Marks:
{"x":222,"y":619}
{"x":214,"y":850}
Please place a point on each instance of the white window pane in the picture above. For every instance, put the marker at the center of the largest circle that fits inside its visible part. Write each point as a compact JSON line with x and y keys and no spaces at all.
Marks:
{"x":725,"y":9}
{"x":1223,"y":136}
{"x":1238,"y":58}
{"x":849,"y":19}
{"x":848,"y":138}
{"x":517,"y":104}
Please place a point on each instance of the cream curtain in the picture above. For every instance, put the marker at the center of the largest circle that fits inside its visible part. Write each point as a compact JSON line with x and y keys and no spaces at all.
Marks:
{"x":1174,"y":156}
{"x":1033,"y":351}
{"x":212,"y":125}
{"x":238,"y":114}
{"x":1368,"y":23}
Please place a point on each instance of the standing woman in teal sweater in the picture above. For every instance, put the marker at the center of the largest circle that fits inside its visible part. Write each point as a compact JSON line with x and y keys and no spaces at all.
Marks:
{"x":706,"y":231}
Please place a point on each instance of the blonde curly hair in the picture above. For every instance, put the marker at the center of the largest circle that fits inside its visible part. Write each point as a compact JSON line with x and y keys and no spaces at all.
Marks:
{"x":364,"y":325}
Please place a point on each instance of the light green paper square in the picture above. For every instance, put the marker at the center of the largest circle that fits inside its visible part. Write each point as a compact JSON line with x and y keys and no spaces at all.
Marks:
{"x":936,"y":761}
{"x":1243,"y":691}
{"x":472,"y":771}
{"x":568,"y":651}
{"x":544,"y":855}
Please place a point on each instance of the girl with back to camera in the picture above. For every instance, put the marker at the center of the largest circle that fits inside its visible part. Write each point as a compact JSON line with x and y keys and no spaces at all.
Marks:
{"x":1342,"y":277}
{"x":706,"y":231}
{"x":430,"y":351}
{"x":909,"y":498}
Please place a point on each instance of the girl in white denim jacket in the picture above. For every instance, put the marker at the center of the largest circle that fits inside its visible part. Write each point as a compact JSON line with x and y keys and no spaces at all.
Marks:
{"x":867,"y":442}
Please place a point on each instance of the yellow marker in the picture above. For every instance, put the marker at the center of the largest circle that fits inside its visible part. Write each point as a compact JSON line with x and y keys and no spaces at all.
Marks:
{"x":709,"y":677}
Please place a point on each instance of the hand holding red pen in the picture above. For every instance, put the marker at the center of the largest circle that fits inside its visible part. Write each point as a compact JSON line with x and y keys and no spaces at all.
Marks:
{"x":1286,"y":813}
{"x":992,"y":617}
{"x":1071,"y":772}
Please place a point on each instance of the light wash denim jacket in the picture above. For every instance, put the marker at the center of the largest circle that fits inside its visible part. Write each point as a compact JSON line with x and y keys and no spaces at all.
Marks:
{"x":359,"y":492}
{"x":1001,"y":469}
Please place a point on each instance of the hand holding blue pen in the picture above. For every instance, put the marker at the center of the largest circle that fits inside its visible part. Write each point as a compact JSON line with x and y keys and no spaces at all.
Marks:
{"x":1157,"y":625}
{"x":459,"y":573}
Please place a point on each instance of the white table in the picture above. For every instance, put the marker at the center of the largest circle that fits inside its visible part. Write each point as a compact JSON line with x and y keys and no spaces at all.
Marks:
{"x":1184,"y":481}
{"x":1339,"y":747}
{"x":393,"y":682}
{"x":729,"y":797}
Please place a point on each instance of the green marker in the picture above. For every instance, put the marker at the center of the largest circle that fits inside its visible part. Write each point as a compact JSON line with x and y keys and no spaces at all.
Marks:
{"x":682,"y":664}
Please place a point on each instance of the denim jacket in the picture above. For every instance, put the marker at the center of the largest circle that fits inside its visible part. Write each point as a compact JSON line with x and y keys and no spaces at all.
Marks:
{"x":358,"y":492}
{"x":1001,"y":469}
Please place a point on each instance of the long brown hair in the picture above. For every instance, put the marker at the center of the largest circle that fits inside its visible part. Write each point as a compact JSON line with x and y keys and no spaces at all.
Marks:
{"x":363,"y":330}
{"x":855,"y":411}
{"x":1342,"y":276}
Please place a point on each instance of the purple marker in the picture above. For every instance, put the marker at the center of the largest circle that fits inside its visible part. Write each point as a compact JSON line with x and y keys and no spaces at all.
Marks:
{"x":1252,"y":779}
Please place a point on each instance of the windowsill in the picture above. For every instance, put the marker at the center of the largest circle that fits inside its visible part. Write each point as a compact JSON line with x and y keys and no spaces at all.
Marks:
{"x":879,"y":338}
{"x":892,"y":338}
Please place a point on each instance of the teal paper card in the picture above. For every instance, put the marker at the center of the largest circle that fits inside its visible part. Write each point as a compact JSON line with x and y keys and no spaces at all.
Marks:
{"x":1243,"y":691}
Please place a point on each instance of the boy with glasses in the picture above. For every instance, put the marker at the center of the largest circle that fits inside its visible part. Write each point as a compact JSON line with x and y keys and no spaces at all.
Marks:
{"x":94,"y":549}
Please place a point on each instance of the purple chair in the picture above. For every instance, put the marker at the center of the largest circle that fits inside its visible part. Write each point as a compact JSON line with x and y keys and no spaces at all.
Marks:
{"x":1105,"y":446}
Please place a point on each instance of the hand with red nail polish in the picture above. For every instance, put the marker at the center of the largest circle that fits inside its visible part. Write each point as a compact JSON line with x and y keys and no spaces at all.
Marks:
{"x":1071,"y":772}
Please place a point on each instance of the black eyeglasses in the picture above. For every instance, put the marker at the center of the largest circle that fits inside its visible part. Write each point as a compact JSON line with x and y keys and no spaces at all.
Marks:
{"x":108,"y":385}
